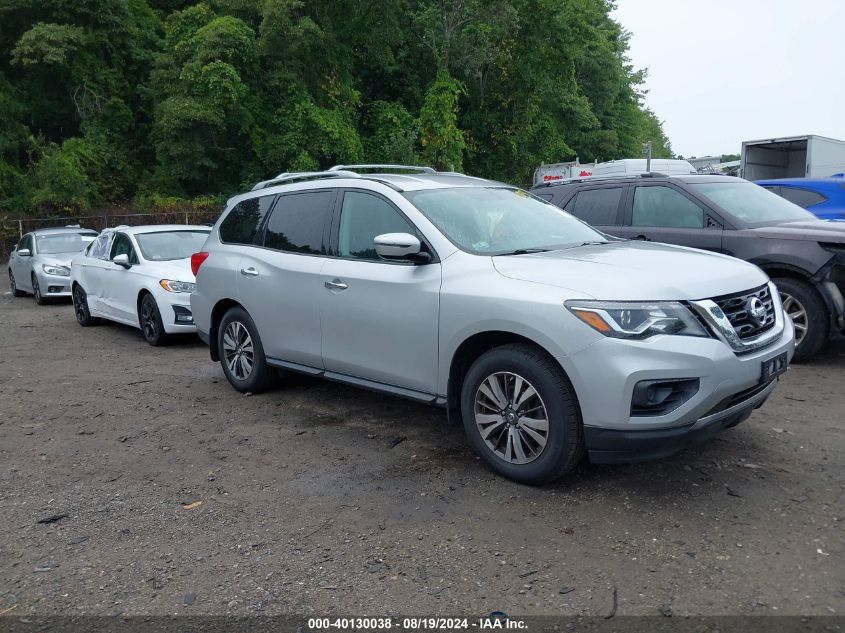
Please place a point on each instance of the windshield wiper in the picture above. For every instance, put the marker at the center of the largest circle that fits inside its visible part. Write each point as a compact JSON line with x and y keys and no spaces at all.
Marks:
{"x":594,"y":243}
{"x":526,"y":251}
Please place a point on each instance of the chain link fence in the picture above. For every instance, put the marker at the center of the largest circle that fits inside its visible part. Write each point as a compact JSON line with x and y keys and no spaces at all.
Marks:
{"x":12,"y":229}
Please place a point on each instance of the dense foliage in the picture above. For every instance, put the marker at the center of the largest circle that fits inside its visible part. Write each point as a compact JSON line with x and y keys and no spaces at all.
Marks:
{"x":106,"y":101}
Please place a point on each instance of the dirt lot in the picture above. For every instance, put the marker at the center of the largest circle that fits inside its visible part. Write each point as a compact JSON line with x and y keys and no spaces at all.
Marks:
{"x":318,"y":498}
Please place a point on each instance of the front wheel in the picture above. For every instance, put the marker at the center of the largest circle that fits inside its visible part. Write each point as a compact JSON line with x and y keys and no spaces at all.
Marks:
{"x":80,"y":308}
{"x":36,"y":291}
{"x":808,"y":314}
{"x":241,"y":353}
{"x":521,"y":415}
{"x":151,"y":323}
{"x":14,"y":286}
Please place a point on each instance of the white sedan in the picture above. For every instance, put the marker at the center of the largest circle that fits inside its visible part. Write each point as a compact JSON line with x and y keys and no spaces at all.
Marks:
{"x":140,"y":276}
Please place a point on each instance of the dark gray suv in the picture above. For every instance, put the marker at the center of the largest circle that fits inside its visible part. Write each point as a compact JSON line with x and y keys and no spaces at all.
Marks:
{"x":803,"y":255}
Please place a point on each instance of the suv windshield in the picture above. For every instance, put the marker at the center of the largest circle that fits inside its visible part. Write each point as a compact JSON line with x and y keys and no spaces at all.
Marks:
{"x":751,"y":203}
{"x":497,"y":220}
{"x":54,"y":243}
{"x":168,"y":245}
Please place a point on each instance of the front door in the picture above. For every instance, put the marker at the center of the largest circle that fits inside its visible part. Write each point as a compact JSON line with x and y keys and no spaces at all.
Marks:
{"x":660,"y":213}
{"x":121,"y":285}
{"x":379,"y":318}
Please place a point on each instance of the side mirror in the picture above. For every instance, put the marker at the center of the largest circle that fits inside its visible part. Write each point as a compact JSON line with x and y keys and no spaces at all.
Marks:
{"x":401,"y":246}
{"x":25,"y":252}
{"x":122,"y":260}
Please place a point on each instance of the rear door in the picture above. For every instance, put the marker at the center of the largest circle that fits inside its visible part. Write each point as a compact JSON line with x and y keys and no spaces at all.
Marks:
{"x":379,"y":318}
{"x":94,"y":267}
{"x":660,"y":212}
{"x":279,"y":281}
{"x":601,"y":207}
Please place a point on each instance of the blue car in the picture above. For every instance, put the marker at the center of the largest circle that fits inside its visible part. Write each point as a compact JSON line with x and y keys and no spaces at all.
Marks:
{"x":824,"y":197}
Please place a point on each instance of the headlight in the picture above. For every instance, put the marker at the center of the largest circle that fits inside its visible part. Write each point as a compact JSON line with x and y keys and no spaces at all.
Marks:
{"x":177,"y":286}
{"x":634,"y":320}
{"x":56,"y":269}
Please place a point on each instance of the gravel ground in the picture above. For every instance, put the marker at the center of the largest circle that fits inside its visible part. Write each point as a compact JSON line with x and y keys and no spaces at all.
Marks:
{"x":134,"y":480}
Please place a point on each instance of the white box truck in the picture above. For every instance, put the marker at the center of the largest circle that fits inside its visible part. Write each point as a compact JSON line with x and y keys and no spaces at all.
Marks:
{"x":809,"y":156}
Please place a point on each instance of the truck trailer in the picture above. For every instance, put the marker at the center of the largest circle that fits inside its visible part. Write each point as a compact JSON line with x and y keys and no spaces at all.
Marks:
{"x":809,"y":156}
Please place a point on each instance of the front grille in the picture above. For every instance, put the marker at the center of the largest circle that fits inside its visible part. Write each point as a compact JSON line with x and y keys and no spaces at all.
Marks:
{"x":736,"y":308}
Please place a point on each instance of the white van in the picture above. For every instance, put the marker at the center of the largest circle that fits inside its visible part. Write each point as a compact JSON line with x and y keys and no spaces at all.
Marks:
{"x":634,"y":166}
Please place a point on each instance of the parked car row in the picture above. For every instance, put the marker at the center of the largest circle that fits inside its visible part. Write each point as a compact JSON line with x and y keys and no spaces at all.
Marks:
{"x":547,"y":338}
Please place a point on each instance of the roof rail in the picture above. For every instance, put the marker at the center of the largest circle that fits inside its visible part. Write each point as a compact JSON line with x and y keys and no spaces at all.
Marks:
{"x":304,"y":175}
{"x":426,"y":170}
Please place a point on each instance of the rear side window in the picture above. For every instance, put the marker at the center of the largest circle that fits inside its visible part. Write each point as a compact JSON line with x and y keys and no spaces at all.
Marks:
{"x":802,"y":197}
{"x":241,"y":225}
{"x":596,"y":206}
{"x":298,"y":221}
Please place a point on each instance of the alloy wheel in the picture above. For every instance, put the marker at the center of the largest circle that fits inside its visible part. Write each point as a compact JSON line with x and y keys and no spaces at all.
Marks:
{"x":80,"y":306}
{"x":238,"y":350}
{"x":797,"y":314}
{"x":12,"y":283}
{"x":511,"y":417}
{"x":36,"y":289}
{"x":149,"y":322}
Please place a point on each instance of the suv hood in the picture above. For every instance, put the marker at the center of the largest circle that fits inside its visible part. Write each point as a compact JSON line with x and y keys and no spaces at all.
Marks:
{"x":809,"y":230}
{"x":634,"y":271}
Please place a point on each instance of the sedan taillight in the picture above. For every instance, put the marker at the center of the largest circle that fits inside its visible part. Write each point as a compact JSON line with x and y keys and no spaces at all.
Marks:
{"x":196,"y":261}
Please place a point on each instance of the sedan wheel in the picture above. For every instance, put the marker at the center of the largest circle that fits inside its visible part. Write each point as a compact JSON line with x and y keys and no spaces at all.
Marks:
{"x":151,"y":324}
{"x":511,"y":417}
{"x":14,"y":286}
{"x":80,"y":308}
{"x":36,"y":291}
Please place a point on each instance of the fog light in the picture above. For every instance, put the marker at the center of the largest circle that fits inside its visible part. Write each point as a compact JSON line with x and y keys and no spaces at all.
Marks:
{"x":183,"y":315}
{"x":659,"y":397}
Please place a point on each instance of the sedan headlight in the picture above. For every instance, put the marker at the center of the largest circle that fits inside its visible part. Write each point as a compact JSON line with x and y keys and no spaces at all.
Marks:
{"x":177,"y":286}
{"x":56,"y":269}
{"x":635,"y":320}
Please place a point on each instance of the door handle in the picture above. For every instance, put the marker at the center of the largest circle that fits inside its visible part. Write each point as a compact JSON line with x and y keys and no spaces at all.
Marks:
{"x":335,"y":284}
{"x":642,"y":237}
{"x":249,"y":272}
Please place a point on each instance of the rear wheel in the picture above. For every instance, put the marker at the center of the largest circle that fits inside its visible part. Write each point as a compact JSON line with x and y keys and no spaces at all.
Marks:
{"x":36,"y":291}
{"x":242,"y":354}
{"x":14,"y":286}
{"x":521,"y":415}
{"x":808,"y":314}
{"x":151,"y":323}
{"x":80,"y":308}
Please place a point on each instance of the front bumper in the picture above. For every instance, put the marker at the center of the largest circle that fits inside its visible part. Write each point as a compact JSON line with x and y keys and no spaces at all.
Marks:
{"x":605,"y":374}
{"x":53,"y":286}
{"x":176,"y":315}
{"x":611,"y":446}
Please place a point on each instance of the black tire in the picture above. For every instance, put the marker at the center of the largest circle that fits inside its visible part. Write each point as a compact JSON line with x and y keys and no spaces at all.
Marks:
{"x":150,"y":321}
{"x":806,"y":308}
{"x":14,"y":287}
{"x":564,"y":442}
{"x":36,"y":291}
{"x":80,"y":308}
{"x":234,"y":349}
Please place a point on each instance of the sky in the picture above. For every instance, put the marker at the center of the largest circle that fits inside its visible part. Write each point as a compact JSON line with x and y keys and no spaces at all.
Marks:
{"x":725,"y":71}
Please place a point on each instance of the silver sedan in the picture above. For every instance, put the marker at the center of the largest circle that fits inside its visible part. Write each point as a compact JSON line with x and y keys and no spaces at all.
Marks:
{"x":40,"y":262}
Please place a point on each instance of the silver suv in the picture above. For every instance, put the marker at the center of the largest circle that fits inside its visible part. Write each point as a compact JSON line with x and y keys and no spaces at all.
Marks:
{"x":545,"y":337}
